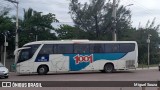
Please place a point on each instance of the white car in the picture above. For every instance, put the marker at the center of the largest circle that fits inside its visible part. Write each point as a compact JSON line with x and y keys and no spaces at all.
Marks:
{"x":3,"y":71}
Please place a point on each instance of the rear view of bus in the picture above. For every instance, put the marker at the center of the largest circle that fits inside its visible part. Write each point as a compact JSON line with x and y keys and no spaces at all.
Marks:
{"x":76,"y":55}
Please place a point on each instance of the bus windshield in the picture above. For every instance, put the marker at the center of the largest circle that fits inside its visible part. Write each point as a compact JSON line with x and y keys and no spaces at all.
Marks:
{"x":27,"y":53}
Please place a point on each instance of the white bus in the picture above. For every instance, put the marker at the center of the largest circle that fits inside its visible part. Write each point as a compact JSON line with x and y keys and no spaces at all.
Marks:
{"x":76,"y":55}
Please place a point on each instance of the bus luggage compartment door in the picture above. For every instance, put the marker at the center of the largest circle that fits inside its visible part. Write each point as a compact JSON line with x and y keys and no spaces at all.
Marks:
{"x":59,"y":63}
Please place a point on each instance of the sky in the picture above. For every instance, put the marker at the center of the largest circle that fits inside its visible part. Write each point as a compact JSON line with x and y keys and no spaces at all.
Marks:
{"x":142,"y":10}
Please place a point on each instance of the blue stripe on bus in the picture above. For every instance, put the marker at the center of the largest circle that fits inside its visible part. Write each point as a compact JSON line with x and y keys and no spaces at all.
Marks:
{"x":81,"y":65}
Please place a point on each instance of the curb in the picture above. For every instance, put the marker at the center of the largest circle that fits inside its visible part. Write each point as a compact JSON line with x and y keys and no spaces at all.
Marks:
{"x":150,"y":68}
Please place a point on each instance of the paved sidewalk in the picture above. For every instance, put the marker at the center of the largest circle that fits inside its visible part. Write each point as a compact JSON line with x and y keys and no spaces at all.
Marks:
{"x":150,"y":68}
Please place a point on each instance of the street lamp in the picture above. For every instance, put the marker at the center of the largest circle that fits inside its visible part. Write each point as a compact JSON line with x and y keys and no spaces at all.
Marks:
{"x":16,"y":36}
{"x":148,"y":41}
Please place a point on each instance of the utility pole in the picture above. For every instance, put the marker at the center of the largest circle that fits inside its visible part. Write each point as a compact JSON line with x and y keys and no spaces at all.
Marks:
{"x":5,"y":50}
{"x":114,"y":21}
{"x":17,"y":25}
{"x":5,"y":45}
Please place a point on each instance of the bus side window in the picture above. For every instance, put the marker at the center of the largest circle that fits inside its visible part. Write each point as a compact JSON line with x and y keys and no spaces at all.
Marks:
{"x":108,"y":48}
{"x":96,"y":48}
{"x":81,"y":48}
{"x":46,"y":49}
{"x":116,"y":48}
{"x":127,"y":47}
{"x":54,"y":49}
{"x":65,"y":48}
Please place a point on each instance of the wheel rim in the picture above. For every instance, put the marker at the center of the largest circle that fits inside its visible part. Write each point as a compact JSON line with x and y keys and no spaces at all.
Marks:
{"x":109,"y":68}
{"x":41,"y":70}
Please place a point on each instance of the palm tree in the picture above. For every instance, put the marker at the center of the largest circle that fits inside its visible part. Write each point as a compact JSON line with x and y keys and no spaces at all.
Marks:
{"x":35,"y":24}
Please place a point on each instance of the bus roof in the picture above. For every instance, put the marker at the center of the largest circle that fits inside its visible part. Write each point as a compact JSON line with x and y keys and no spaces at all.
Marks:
{"x":76,"y":42}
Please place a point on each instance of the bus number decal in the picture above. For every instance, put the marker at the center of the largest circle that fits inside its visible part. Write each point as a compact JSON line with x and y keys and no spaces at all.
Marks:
{"x":79,"y":58}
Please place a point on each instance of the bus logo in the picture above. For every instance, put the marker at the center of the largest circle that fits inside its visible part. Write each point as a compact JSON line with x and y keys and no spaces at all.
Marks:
{"x":87,"y":58}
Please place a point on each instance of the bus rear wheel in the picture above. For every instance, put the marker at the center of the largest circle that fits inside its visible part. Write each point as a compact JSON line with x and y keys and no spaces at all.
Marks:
{"x":42,"y":70}
{"x":108,"y":68}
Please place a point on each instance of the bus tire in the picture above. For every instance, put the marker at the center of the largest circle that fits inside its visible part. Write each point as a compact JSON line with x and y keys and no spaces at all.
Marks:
{"x":108,"y":68}
{"x":42,"y":70}
{"x":6,"y":76}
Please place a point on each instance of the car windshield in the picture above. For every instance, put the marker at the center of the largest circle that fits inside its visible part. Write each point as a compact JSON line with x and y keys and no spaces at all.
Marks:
{"x":1,"y":65}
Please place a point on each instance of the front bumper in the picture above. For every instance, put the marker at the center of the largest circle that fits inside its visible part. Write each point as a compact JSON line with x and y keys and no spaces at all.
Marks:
{"x":4,"y":74}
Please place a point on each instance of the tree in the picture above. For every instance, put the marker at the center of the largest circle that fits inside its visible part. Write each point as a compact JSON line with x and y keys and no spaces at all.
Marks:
{"x":36,"y":25}
{"x":95,"y":18}
{"x":66,"y":32}
{"x":71,"y":32}
{"x":141,"y":35}
{"x":6,"y":25}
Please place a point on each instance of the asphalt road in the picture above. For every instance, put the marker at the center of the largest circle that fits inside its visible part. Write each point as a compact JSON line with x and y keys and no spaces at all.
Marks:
{"x":134,"y":75}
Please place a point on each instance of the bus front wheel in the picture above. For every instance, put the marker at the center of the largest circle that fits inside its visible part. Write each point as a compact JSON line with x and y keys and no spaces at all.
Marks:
{"x":42,"y":70}
{"x":108,"y":68}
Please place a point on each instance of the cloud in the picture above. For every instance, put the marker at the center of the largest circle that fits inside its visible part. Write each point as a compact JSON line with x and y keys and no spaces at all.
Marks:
{"x":142,"y":10}
{"x":60,"y":8}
